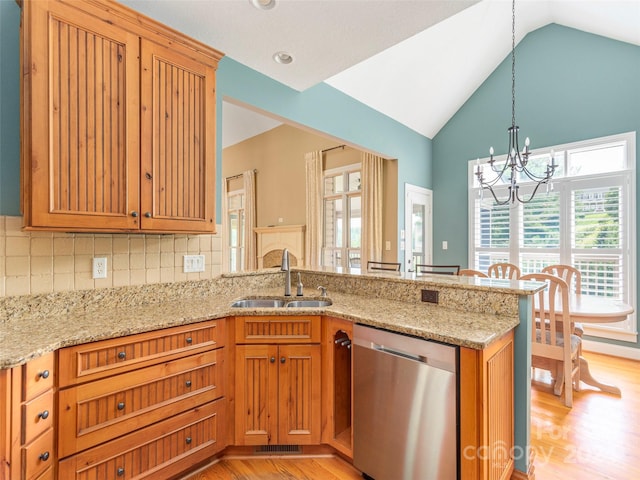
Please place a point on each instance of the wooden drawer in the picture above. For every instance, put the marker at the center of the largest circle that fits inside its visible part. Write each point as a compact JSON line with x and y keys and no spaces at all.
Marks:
{"x":37,"y":416}
{"x":38,"y":455}
{"x":278,"y":329}
{"x":99,"y":411}
{"x":159,"y":451}
{"x":48,"y":474}
{"x":97,"y":360}
{"x":37,"y":376}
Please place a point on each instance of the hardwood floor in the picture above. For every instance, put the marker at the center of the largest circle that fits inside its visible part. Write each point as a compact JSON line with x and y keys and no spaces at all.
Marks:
{"x":599,"y":438}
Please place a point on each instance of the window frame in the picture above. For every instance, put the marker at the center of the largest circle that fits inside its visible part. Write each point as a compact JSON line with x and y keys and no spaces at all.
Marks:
{"x":565,"y":186}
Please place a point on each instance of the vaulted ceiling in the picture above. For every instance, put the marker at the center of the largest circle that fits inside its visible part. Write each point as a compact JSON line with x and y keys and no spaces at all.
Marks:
{"x":391,"y":55}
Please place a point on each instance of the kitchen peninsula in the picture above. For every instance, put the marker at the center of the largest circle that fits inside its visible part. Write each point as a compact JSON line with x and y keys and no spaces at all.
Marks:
{"x":480,"y":316}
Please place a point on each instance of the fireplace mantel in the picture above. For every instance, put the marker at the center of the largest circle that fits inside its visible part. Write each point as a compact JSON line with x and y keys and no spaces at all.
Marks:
{"x":272,"y":240}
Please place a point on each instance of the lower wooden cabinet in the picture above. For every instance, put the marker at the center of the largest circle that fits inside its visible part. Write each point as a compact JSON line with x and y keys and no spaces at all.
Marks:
{"x":277,"y":395}
{"x":159,"y":451}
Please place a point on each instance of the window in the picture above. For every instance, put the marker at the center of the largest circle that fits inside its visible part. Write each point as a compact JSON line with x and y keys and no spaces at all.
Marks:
{"x":342,"y":217}
{"x":235,"y":227}
{"x":585,"y":219}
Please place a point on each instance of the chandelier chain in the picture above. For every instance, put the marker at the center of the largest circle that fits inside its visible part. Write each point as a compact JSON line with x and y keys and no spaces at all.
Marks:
{"x":513,"y":64}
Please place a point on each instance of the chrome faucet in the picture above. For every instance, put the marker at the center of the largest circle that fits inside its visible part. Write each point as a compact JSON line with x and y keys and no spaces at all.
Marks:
{"x":287,"y":274}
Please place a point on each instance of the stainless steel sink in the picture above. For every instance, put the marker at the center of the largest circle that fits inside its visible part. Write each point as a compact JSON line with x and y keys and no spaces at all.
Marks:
{"x":309,"y":303}
{"x":258,"y":303}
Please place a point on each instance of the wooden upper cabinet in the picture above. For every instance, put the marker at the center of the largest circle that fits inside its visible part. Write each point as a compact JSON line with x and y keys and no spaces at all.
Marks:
{"x":118,"y":125}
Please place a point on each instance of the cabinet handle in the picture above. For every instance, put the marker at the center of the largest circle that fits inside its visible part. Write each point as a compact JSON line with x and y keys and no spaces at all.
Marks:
{"x":283,"y":360}
{"x":189,"y":340}
{"x":120,"y":471}
{"x":44,"y":374}
{"x":147,"y":214}
{"x":44,"y":415}
{"x":120,"y":406}
{"x":272,"y":359}
{"x":134,"y":214}
{"x":188,"y":440}
{"x":122,"y":355}
{"x":188,"y":383}
{"x":44,"y":456}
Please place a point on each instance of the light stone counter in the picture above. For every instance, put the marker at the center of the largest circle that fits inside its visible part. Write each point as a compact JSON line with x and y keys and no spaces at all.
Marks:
{"x":470,"y":313}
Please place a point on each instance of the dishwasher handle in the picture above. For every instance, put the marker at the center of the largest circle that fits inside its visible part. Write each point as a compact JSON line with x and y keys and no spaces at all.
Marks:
{"x":400,"y":353}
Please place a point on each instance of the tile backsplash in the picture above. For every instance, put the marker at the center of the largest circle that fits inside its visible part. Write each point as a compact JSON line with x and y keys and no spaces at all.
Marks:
{"x":46,"y":262}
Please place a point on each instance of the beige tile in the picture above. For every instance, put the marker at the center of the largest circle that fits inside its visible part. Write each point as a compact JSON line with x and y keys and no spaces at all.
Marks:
{"x":13,"y":226}
{"x":121,"y":278}
{"x":120,"y":244}
{"x":205,"y":243}
{"x":84,"y":264}
{"x":178,"y":274}
{"x":63,"y":282}
{"x":63,"y":245}
{"x":216,"y":270}
{"x":104,"y":282}
{"x":83,"y":281}
{"x":103,"y":246}
{"x":138,"y":277}
{"x":178,"y":260}
{"x":136,"y":244}
{"x":216,"y":259}
{"x":216,"y":244}
{"x":136,"y":261}
{"x":41,"y":266}
{"x":84,"y":245}
{"x":121,"y":262}
{"x":17,"y":246}
{"x":180,"y":244}
{"x":152,"y":244}
{"x":193,"y":244}
{"x":166,"y":274}
{"x":3,"y":227}
{"x":17,"y":285}
{"x":63,"y":264}
{"x":37,"y":234}
{"x":41,"y":246}
{"x":152,"y":260}
{"x":153,"y":275}
{"x":2,"y":288}
{"x":166,"y":243}
{"x":167,"y":259}
{"x":17,"y":266}
{"x":41,"y":284}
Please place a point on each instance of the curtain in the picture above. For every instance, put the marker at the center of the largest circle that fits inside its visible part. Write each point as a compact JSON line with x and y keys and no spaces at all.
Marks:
{"x":225,"y":227}
{"x":371,"y":242}
{"x":250,"y":248}
{"x":313,"y":234}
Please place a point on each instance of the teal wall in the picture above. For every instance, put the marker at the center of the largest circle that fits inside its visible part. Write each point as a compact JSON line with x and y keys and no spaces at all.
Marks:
{"x":328,"y":110}
{"x":321,"y":108}
{"x":570,"y":86}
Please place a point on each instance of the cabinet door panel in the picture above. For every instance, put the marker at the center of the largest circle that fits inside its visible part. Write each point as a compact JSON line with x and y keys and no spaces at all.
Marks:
{"x":299,"y":395}
{"x":178,"y":141}
{"x":85,"y":152}
{"x":256,"y":394}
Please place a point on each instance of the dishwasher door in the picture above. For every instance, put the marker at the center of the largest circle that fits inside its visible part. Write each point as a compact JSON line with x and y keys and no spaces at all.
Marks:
{"x":405,"y":407}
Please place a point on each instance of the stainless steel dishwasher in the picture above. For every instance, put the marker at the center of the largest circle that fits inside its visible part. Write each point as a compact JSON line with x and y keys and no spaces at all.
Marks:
{"x":405,"y":406}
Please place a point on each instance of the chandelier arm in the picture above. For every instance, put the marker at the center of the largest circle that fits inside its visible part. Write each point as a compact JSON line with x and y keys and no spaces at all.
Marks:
{"x":495,"y":198}
{"x":533,"y":194}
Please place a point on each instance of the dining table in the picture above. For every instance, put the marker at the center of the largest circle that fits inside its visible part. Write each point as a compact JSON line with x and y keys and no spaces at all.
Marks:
{"x":584,"y":308}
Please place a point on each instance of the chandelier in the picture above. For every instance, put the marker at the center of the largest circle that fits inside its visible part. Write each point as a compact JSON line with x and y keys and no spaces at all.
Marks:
{"x":516,"y":160}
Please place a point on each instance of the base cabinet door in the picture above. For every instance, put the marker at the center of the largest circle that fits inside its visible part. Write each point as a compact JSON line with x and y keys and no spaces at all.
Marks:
{"x":278,"y":394}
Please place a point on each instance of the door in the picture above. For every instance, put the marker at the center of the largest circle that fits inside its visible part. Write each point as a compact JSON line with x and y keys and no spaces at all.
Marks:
{"x":418,"y":241}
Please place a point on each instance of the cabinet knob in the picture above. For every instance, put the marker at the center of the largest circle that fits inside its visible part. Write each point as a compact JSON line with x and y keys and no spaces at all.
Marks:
{"x":189,"y":340}
{"x":44,"y":456}
{"x":283,"y":360}
{"x":120,"y":406}
{"x":188,"y":440}
{"x":120,"y":471}
{"x":44,"y":374}
{"x":188,"y":383}
{"x":122,"y":355}
{"x":148,"y":176}
{"x":134,"y":214}
{"x":272,"y":359}
{"x":147,"y":214}
{"x":44,"y":415}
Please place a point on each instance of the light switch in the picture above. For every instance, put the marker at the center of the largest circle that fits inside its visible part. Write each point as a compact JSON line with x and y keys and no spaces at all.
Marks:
{"x":445,"y":244}
{"x":387,"y":245}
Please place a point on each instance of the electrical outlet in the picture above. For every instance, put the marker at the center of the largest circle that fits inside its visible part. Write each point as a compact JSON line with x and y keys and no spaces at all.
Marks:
{"x":193,"y":263}
{"x":99,"y":267}
{"x":430,"y":296}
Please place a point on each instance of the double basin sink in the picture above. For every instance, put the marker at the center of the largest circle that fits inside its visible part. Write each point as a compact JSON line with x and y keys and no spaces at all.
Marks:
{"x":280,"y":303}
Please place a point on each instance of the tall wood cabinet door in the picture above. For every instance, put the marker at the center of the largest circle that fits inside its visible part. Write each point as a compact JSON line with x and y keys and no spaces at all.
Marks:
{"x":299,"y":394}
{"x":178,"y":141}
{"x":81,"y":120}
{"x":256,"y":420}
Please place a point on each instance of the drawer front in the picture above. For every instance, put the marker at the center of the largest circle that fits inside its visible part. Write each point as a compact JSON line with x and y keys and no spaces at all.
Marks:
{"x":38,"y":455}
{"x":37,"y":416}
{"x":97,"y":360}
{"x":278,"y":329}
{"x":156,"y":452}
{"x":99,"y":411}
{"x":37,"y":376}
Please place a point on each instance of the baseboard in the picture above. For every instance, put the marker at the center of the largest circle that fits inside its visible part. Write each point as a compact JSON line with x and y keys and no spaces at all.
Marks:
{"x":611,"y":349}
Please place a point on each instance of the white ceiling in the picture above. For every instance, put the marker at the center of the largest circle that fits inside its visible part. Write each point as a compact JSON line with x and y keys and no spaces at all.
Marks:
{"x":416,"y":61}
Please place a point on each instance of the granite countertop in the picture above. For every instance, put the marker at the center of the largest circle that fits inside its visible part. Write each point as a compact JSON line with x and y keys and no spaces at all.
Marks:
{"x":27,"y":336}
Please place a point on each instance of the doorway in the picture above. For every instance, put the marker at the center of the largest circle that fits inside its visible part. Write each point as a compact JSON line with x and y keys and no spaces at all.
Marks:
{"x":418,"y":224}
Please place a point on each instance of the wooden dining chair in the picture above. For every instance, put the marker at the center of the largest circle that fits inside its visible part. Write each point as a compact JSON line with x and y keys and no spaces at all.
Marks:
{"x":504,"y":270}
{"x":422,"y":268}
{"x":573,"y":277}
{"x":553,"y":345}
{"x":383,"y":266}
{"x":470,"y":272}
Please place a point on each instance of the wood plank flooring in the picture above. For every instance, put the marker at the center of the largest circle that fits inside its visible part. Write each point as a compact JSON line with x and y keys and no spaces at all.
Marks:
{"x":599,"y":438}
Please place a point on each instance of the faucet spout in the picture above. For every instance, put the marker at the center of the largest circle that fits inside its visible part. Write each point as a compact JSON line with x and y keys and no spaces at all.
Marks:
{"x":287,"y":272}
